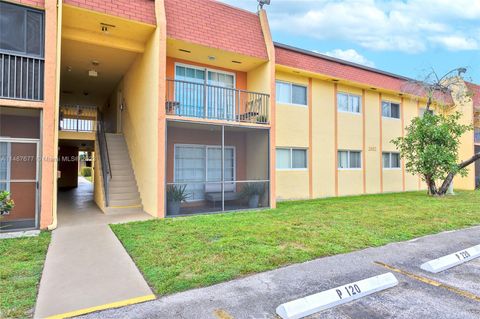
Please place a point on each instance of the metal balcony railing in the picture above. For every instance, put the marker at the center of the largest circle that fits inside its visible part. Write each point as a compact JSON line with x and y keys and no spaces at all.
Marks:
{"x":78,"y":118}
{"x":21,"y":77}
{"x":200,"y":100}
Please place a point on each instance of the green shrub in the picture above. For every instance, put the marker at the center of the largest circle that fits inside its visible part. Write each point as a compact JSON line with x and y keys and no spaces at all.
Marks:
{"x":86,"y":171}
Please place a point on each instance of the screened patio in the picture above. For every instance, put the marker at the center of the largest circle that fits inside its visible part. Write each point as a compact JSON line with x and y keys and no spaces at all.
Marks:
{"x":215,"y":168}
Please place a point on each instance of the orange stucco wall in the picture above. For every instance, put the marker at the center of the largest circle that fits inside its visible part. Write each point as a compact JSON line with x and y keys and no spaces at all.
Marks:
{"x":49,"y":127}
{"x":177,"y":135}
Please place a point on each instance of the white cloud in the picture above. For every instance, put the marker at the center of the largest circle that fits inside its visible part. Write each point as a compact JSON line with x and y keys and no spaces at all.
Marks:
{"x":350,"y":55}
{"x":408,"y":26}
{"x":456,"y":43}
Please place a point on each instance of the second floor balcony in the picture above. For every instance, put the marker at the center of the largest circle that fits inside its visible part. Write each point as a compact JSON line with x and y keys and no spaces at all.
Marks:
{"x":76,"y":118}
{"x":202,"y":100}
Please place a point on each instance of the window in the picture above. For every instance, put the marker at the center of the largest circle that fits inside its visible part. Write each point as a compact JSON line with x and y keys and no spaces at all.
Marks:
{"x":391,"y":110}
{"x":391,"y":160}
{"x":291,"y":93}
{"x":21,"y":29}
{"x":5,"y":166}
{"x":197,"y":164}
{"x":348,"y":103}
{"x":349,"y":159}
{"x":219,"y":95}
{"x":291,"y":158}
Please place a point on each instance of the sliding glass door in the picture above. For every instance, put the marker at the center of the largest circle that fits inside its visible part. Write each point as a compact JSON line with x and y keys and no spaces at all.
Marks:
{"x":201,"y":90}
{"x":200,"y":168}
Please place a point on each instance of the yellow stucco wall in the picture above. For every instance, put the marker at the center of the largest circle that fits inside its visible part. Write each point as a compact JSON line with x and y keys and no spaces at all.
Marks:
{"x":368,"y":132}
{"x":372,"y":142}
{"x":140,"y":121}
{"x":292,"y":130}
{"x":467,"y":147}
{"x":323,"y":144}
{"x":98,"y":191}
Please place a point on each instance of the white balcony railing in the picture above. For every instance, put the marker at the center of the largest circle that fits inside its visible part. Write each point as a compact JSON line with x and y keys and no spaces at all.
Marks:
{"x":200,"y":100}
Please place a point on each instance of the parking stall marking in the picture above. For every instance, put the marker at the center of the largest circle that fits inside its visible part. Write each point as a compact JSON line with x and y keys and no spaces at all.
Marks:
{"x":431,"y":282}
{"x":309,"y":305}
{"x":452,"y":260}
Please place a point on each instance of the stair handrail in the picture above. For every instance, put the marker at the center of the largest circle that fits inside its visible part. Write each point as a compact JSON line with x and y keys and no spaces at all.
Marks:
{"x":105,"y":158}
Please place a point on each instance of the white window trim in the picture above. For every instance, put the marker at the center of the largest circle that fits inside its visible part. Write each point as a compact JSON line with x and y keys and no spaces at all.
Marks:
{"x":390,"y":168}
{"x":206,"y":69}
{"x":348,"y":95}
{"x":348,"y":161}
{"x":290,"y":149}
{"x":9,"y":165}
{"x":399,"y":111}
{"x":291,"y":92}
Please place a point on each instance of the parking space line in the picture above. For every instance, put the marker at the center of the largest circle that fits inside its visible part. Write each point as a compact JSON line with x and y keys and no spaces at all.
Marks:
{"x":431,"y":282}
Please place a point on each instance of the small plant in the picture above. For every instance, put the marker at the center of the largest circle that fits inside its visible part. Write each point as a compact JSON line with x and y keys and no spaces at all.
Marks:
{"x":177,"y":193}
{"x":251,"y":189}
{"x":252,"y":192}
{"x":6,"y":203}
{"x":86,"y":171}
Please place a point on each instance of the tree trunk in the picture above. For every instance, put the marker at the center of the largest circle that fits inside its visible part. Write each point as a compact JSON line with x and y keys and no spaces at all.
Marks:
{"x":432,"y":187}
{"x":444,"y":188}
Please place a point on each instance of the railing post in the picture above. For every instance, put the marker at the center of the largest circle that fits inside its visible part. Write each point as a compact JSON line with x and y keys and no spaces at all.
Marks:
{"x":205,"y":115}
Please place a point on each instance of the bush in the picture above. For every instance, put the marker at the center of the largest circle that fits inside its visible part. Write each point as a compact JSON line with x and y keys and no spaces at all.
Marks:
{"x":86,"y":171}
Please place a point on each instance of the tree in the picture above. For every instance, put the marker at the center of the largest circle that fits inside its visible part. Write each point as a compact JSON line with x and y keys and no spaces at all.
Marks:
{"x":430,"y":147}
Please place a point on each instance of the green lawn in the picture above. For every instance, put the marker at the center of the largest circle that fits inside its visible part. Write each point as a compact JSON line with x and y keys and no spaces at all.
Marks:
{"x":21,"y":264}
{"x":184,"y":253}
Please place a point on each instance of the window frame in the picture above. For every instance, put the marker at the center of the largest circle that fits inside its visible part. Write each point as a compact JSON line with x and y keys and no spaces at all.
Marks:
{"x":205,"y":148}
{"x":348,"y":102}
{"x":291,"y":84}
{"x":8,"y":176}
{"x":348,"y":160}
{"x":390,"y":110}
{"x":42,"y":34}
{"x":291,"y":168}
{"x":390,"y":161}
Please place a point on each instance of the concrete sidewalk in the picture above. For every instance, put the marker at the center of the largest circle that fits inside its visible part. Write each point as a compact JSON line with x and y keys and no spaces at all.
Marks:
{"x":87,"y":268}
{"x":258,"y":296}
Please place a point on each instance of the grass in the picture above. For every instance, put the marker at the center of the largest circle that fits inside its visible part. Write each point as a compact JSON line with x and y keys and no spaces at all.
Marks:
{"x":21,"y":264}
{"x":184,"y":253}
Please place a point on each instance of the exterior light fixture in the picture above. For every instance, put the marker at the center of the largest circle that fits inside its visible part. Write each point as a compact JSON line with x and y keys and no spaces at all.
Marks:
{"x":92,"y":72}
{"x":106,"y":27}
{"x":211,"y":58}
{"x":261,"y":3}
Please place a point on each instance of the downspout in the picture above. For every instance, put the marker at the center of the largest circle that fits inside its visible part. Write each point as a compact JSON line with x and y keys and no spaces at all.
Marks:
{"x":53,"y":225}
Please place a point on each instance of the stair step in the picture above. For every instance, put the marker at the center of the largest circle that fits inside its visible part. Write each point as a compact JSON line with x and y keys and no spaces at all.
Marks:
{"x":122,"y":189}
{"x":123,"y":172}
{"x":125,"y":202}
{"x":121,"y":166}
{"x":121,"y":178}
{"x":125,"y":196}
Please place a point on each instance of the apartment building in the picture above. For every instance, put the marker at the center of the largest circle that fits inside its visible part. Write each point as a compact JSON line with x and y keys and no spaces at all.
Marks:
{"x":191,"y":97}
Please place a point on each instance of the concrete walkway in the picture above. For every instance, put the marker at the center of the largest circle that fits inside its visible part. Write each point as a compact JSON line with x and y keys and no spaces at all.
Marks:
{"x":257,"y":296}
{"x":87,"y":268}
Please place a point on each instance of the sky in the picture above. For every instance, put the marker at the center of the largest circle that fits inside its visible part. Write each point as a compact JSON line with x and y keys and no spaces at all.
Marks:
{"x":405,"y":37}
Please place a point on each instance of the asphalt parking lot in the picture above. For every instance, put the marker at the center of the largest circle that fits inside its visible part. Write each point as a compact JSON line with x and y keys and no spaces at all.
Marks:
{"x":453,"y":293}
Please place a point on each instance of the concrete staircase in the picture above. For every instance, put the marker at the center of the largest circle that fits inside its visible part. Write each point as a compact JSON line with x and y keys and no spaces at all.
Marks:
{"x":123,"y":191}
